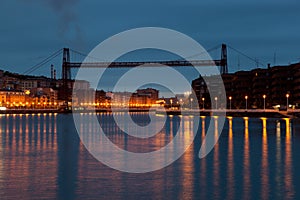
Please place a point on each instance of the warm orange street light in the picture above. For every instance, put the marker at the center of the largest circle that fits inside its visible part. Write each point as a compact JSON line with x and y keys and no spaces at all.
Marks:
{"x":216,"y":99}
{"x":246,"y":97}
{"x":181,"y":103}
{"x":203,"y":99}
{"x":264,"y":96}
{"x":287,"y":101}
{"x":230,"y":98}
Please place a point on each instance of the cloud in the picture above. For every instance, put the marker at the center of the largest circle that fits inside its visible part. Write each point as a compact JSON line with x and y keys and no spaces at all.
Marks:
{"x":69,"y":27}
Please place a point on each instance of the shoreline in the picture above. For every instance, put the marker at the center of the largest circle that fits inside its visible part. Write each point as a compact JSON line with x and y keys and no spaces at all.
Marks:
{"x":236,"y":113}
{"x":231,"y":113}
{"x":258,"y":114}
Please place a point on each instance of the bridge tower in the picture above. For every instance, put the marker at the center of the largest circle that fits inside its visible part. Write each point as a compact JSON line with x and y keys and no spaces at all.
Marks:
{"x":66,"y":71}
{"x":66,"y":74}
{"x":223,"y":65}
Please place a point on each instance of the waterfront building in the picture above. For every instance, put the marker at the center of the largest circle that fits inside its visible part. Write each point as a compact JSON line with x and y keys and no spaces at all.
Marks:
{"x":10,"y":82}
{"x":28,"y":83}
{"x":282,"y":78}
{"x":12,"y":98}
{"x":137,"y":100}
{"x":120,"y":99}
{"x":82,"y":97}
{"x":100,"y":98}
{"x":295,"y":95}
{"x":43,"y":97}
{"x":66,"y":92}
{"x":261,"y":85}
{"x":1,"y":79}
{"x":149,"y":94}
{"x":271,"y":86}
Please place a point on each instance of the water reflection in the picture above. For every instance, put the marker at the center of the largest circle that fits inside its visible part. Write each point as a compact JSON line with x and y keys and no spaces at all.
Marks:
{"x":203,"y":165}
{"x":246,"y":162}
{"x":264,"y":162}
{"x":29,"y":164}
{"x":278,"y":156}
{"x":188,"y":170}
{"x":216,"y":165}
{"x":42,"y":158}
{"x":230,"y":162}
{"x":67,"y":160}
{"x":288,"y":169}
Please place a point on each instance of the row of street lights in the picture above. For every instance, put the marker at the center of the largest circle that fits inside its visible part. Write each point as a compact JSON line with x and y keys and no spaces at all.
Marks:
{"x":264,"y":97}
{"x":246,"y":99}
{"x":203,"y":102}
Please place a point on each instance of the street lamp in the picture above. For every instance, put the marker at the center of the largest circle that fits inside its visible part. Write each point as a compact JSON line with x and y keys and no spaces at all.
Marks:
{"x":287,"y":101}
{"x":264,"y":96}
{"x":191,"y":102}
{"x":203,"y":99}
{"x":181,"y":104}
{"x":246,"y":97}
{"x":216,"y":99}
{"x":230,"y":98}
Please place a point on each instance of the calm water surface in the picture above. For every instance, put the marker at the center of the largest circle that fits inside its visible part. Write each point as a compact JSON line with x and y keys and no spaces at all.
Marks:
{"x":41,"y":157}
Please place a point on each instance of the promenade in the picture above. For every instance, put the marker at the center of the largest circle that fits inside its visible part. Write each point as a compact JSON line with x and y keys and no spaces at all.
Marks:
{"x":291,"y":113}
{"x":235,"y":112}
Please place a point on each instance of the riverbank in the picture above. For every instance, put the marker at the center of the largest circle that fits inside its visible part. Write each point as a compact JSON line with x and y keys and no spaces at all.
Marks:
{"x":62,"y":111}
{"x":233,"y":113}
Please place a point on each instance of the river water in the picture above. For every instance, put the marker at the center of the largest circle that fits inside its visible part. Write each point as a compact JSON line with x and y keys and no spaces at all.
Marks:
{"x":41,"y":157}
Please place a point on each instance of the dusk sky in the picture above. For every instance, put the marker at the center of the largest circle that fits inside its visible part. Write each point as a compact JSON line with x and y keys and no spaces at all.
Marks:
{"x":32,"y":30}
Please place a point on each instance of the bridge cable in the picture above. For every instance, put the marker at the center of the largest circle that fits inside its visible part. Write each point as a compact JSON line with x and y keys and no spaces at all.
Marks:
{"x":43,"y":62}
{"x":243,"y":54}
{"x":203,"y":52}
{"x":84,"y":55}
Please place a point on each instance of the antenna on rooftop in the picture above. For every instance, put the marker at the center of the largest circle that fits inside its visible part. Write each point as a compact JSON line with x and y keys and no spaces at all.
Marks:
{"x":274,"y":59}
{"x":239,"y":63}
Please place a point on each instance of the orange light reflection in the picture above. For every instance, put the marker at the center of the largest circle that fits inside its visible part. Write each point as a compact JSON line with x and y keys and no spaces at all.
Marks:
{"x":264,"y":162}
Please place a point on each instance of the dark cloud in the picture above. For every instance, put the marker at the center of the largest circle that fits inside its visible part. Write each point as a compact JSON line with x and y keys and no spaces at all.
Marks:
{"x":61,"y":5}
{"x":69,"y":27}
